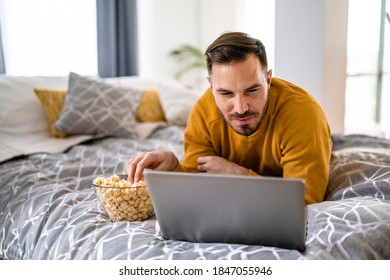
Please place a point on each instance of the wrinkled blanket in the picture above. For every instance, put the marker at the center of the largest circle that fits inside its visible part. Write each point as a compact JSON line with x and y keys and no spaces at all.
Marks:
{"x":48,"y":209}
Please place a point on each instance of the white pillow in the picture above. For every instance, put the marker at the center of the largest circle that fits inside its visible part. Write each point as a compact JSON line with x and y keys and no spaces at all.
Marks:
{"x":21,"y":112}
{"x":177,"y":103}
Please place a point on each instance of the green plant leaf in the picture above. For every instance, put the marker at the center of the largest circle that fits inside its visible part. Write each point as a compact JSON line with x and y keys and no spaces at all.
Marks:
{"x":189,"y":56}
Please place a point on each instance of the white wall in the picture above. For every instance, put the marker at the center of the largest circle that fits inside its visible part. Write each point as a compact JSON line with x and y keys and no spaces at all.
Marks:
{"x":310,"y":50}
{"x":335,"y":62}
{"x":166,"y":24}
{"x":163,"y":26}
{"x":305,"y":40}
{"x":299,"y":43}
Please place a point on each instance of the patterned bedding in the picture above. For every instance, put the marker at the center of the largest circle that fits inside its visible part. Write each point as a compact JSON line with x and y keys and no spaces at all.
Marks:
{"x":48,"y":209}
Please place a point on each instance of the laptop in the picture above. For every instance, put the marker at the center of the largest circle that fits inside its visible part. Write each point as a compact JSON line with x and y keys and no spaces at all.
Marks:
{"x":214,"y":208}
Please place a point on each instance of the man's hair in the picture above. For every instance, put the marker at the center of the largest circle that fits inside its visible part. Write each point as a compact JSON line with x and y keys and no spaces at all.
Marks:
{"x":234,"y":47}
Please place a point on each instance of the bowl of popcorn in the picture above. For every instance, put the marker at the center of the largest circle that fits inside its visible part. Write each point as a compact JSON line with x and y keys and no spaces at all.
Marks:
{"x":122,"y":200}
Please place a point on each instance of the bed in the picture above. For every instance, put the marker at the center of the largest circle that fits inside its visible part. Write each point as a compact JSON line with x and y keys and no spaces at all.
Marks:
{"x":49,"y":210}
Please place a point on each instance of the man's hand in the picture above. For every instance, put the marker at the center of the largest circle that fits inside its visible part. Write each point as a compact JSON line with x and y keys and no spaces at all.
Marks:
{"x":219,"y":165}
{"x":157,"y":160}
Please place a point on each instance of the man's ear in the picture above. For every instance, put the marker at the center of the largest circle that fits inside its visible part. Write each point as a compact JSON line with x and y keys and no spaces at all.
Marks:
{"x":269,"y":78}
{"x":210,"y":82}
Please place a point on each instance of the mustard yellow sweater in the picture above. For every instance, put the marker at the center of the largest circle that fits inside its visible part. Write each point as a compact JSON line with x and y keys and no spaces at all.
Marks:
{"x":293,"y":140}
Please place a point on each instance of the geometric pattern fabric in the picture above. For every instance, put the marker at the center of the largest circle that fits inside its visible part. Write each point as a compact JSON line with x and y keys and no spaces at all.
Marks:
{"x":94,"y":107}
{"x":49,"y":210}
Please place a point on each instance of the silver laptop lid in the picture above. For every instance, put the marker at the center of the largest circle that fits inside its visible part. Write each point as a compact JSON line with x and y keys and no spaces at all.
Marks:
{"x":200,"y":207}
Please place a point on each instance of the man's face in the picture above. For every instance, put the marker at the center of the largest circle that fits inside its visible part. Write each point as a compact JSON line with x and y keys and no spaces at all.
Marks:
{"x":241,"y":92}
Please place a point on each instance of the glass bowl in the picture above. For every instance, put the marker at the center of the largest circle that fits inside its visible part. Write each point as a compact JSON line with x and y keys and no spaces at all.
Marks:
{"x":122,"y":200}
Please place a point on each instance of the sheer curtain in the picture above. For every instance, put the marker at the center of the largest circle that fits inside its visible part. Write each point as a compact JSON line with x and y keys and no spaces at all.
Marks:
{"x":2,"y":63}
{"x":46,"y":37}
{"x":117,"y":38}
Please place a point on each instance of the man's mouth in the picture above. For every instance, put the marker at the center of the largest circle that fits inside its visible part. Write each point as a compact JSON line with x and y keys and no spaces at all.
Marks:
{"x":244,"y":118}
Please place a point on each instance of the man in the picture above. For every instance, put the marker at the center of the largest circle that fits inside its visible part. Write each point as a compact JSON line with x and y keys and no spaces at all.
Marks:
{"x":249,"y":123}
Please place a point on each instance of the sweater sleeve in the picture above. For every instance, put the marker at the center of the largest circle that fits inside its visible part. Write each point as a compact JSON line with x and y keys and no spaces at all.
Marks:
{"x":306,"y":148}
{"x":197,"y":137}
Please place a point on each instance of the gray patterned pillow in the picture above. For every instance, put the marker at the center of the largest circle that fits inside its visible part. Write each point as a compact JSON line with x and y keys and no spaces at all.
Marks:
{"x":93,"y":107}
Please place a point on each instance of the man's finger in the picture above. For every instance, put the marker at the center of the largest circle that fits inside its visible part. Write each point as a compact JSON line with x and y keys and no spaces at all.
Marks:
{"x":131,"y":167}
{"x":202,"y":160}
{"x":138,"y":171}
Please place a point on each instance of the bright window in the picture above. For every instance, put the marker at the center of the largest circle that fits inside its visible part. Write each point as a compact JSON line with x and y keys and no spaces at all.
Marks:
{"x":46,"y":37}
{"x":368,"y":68}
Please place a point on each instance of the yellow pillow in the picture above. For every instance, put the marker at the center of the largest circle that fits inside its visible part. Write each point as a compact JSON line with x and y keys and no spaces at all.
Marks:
{"x":52,"y":101}
{"x":150,"y":109}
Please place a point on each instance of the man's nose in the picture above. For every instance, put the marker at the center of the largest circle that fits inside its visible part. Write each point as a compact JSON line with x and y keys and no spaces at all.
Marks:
{"x":240,"y":104}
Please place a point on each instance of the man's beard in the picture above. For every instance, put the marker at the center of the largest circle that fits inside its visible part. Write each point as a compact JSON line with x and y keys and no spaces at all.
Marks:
{"x":244,"y":129}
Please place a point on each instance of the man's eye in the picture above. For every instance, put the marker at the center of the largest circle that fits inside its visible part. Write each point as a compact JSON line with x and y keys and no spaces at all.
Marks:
{"x":251,"y":91}
{"x":226,"y":93}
